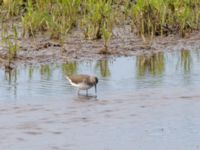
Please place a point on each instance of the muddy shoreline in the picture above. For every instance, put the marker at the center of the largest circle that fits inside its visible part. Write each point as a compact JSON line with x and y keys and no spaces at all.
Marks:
{"x":43,"y":50}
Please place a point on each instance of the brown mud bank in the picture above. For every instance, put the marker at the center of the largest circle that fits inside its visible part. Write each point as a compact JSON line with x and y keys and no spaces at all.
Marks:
{"x":43,"y":50}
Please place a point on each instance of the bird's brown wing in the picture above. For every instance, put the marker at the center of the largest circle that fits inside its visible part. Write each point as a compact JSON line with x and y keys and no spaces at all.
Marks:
{"x":79,"y":78}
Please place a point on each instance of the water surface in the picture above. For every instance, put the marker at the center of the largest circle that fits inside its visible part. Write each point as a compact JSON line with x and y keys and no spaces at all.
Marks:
{"x":124,"y":75}
{"x":144,"y":102}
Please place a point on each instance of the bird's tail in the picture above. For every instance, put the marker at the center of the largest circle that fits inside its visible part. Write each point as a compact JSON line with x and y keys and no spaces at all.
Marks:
{"x":67,"y":77}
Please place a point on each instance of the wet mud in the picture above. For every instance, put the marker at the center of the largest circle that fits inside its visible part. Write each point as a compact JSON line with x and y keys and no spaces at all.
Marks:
{"x":43,"y":50}
{"x":136,"y":120}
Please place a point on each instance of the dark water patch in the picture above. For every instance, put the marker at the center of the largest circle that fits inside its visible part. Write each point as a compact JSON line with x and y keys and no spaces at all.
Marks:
{"x":33,"y":132}
{"x":20,"y":139}
{"x":56,"y":132}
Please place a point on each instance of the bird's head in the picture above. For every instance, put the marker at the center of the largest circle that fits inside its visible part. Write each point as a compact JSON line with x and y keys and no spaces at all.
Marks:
{"x":94,"y":80}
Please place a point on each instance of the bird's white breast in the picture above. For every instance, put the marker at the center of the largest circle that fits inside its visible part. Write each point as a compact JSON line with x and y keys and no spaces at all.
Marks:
{"x":82,"y":85}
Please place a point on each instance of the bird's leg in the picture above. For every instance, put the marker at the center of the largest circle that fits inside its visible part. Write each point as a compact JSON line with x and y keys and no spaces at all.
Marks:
{"x":95,"y":89}
{"x":87,"y":92}
{"x":78,"y":92}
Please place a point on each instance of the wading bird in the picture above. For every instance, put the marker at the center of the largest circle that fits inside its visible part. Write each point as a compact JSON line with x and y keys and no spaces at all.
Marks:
{"x":83,"y":82}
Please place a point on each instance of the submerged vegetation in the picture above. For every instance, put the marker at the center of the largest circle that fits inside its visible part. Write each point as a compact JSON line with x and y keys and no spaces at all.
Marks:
{"x":185,"y":60}
{"x":96,"y":18}
{"x":152,"y":63}
{"x":149,"y":64}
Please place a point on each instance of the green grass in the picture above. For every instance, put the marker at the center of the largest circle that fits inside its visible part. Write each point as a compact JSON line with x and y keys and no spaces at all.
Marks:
{"x":10,"y":42}
{"x":12,"y":7}
{"x":56,"y":17}
{"x":96,"y":18}
{"x":162,"y":17}
{"x":97,"y":15}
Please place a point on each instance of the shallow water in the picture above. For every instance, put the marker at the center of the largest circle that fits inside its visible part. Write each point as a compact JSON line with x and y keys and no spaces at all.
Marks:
{"x":116,"y":76}
{"x":144,"y":102}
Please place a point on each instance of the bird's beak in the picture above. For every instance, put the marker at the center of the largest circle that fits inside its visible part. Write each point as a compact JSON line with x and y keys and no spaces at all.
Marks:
{"x":95,"y":89}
